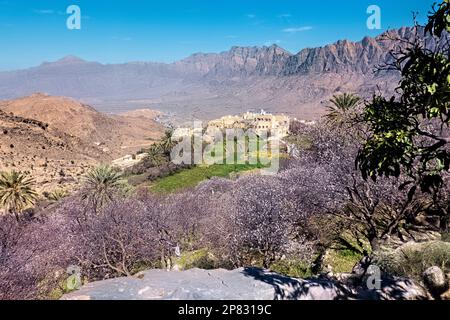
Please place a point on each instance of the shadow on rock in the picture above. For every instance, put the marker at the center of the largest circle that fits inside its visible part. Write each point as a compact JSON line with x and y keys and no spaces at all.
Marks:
{"x":298,"y":289}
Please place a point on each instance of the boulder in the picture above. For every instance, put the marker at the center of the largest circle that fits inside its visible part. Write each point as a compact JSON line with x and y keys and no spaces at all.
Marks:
{"x":197,"y":284}
{"x":446,"y":295}
{"x":239,"y":284}
{"x":435,"y":280}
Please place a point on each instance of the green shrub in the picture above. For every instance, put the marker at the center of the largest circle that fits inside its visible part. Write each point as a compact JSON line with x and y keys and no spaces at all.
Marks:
{"x":202,"y":259}
{"x":342,"y":260}
{"x":52,"y":288}
{"x":146,"y":265}
{"x":412,"y":259}
{"x":292,"y":268}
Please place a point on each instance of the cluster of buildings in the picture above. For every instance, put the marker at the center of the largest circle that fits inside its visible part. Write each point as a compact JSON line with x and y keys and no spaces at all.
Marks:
{"x":128,"y":161}
{"x":275,"y":127}
{"x":259,"y":122}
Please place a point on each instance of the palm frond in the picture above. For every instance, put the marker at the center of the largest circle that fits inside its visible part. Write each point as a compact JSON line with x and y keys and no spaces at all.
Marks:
{"x":16,"y":192}
{"x":340,"y":108}
{"x":100,"y":186}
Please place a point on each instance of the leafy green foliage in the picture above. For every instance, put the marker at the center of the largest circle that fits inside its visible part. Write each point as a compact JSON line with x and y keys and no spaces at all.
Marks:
{"x":410,"y":134}
{"x":439,"y":19}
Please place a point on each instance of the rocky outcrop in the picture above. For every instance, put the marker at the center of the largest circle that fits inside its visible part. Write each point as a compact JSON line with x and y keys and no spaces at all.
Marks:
{"x":240,"y":284}
{"x":346,"y":56}
{"x":246,"y":61}
{"x":436,"y":281}
{"x":13,"y":118}
{"x":340,"y":57}
{"x":237,"y":62}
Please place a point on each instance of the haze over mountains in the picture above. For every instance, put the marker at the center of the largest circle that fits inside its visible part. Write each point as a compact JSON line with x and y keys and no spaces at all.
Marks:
{"x":206,"y":86}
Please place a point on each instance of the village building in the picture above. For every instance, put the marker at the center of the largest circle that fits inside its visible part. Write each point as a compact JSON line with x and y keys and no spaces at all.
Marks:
{"x":261,"y":122}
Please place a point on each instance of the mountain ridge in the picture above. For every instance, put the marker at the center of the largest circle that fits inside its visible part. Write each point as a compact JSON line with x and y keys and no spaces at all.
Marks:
{"x":73,"y":59}
{"x":208,"y":85}
{"x":249,"y":51}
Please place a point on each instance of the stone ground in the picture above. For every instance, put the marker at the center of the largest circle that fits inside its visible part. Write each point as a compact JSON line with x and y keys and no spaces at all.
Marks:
{"x":240,"y":284}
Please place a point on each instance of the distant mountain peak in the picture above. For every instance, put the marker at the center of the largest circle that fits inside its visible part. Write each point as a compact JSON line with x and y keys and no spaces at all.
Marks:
{"x":67,"y":60}
{"x":279,"y":50}
{"x":273,"y":47}
{"x":71,"y":59}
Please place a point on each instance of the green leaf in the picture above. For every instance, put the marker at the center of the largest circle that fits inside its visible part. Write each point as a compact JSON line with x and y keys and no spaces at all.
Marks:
{"x":432,"y":89}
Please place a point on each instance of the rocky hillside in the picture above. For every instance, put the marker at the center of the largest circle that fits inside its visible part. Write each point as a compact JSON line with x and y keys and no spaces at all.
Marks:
{"x":238,"y":62}
{"x":57,"y":139}
{"x":206,"y":86}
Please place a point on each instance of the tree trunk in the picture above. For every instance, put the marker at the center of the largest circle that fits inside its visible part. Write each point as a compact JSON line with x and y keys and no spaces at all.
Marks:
{"x":374,"y":243}
{"x":16,"y":215}
{"x":318,"y":262}
{"x":444,"y":218}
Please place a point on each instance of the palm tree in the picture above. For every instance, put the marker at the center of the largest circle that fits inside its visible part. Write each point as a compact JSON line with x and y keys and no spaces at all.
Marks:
{"x":340,"y":110}
{"x":16,"y":192}
{"x":167,"y":143}
{"x":56,"y":195}
{"x":100,"y":186}
{"x":155,"y":156}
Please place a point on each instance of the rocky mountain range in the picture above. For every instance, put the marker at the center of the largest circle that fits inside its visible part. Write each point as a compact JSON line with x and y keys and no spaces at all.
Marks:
{"x":206,"y":86}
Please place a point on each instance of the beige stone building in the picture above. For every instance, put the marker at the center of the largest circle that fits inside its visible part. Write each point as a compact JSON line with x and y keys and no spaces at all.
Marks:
{"x":260,"y":122}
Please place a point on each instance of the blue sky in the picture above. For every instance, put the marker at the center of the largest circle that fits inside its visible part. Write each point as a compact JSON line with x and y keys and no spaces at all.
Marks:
{"x":116,"y":31}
